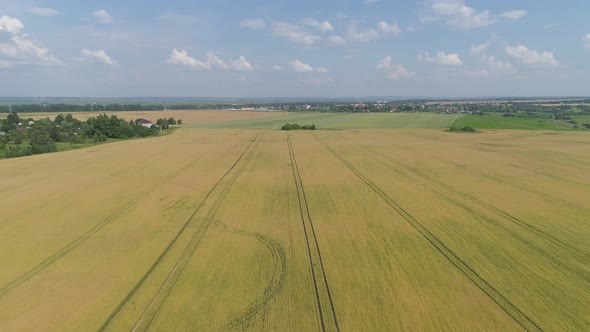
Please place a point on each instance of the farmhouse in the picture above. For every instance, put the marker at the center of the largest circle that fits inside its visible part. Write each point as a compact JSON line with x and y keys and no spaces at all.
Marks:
{"x":144,"y":122}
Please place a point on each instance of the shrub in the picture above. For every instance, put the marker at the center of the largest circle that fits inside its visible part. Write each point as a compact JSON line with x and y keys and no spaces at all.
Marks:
{"x":296,"y":126}
{"x":469,"y":129}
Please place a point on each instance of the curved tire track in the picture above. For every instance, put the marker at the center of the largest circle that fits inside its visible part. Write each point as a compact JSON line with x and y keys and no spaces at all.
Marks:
{"x":187,"y":253}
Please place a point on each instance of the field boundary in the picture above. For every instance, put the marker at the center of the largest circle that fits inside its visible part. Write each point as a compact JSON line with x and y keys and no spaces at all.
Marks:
{"x":328,"y":321}
{"x":247,"y":152}
{"x":516,"y":314}
{"x":81,"y":239}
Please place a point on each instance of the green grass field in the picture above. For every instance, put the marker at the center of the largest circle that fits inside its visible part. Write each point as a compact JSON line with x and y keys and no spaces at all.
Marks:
{"x":500,"y":122}
{"x":341,"y":121}
{"x":331,"y":230}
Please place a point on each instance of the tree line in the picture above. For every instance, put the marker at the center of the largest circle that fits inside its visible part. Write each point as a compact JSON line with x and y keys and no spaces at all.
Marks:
{"x":22,"y":137}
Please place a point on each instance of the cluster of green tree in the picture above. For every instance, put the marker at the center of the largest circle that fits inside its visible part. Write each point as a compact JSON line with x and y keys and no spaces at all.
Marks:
{"x":166,"y":123}
{"x":462,"y":129}
{"x":295,"y":126}
{"x":21,"y":137}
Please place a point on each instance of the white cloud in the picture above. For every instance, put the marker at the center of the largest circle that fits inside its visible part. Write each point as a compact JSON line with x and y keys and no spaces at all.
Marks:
{"x":294,"y":33}
{"x":451,"y":59}
{"x":362,"y":35}
{"x":389,"y":27}
{"x":513,"y":14}
{"x":337,"y":40}
{"x":102,"y":16}
{"x":10,"y":25}
{"x":276,"y":67}
{"x":496,"y":66}
{"x":241,"y":64}
{"x":98,"y":56}
{"x":530,"y":57}
{"x":478,"y":49}
{"x":586,"y":40}
{"x":256,"y":23}
{"x":39,"y":11}
{"x":393,"y":71}
{"x":456,"y":13}
{"x":21,"y":50}
{"x":181,"y":57}
{"x":301,"y":67}
{"x":324,"y":26}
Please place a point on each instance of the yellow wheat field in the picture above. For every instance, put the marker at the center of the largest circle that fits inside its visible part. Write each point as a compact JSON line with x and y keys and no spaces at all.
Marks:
{"x":352,"y":230}
{"x":187,"y":116}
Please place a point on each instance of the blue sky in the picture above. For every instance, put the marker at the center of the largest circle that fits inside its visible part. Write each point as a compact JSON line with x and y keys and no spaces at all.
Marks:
{"x":431,"y":48}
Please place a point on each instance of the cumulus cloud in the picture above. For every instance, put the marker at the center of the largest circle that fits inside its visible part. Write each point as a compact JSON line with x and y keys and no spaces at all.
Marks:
{"x":98,"y":56}
{"x":336,"y":40}
{"x":496,"y":66}
{"x":181,"y":57}
{"x":294,"y":33}
{"x":451,"y":59}
{"x":10,"y":25}
{"x":531,"y":57}
{"x":240,"y":64}
{"x":40,"y":11}
{"x":456,"y":13}
{"x":102,"y":16}
{"x":324,"y":26}
{"x":513,"y":14}
{"x":301,"y":67}
{"x":586,"y":40}
{"x":393,"y":71}
{"x":256,"y":23}
{"x":19,"y":48}
{"x":389,"y":27}
{"x":364,"y":35}
{"x":478,"y":49}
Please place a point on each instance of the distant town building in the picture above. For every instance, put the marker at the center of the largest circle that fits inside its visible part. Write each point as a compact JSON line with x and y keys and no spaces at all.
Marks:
{"x":144,"y":122}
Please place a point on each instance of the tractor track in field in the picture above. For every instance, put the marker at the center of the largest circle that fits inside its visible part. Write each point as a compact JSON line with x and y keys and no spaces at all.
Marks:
{"x":555,"y":260}
{"x":542,"y":195}
{"x":5,"y":189}
{"x":510,"y":309}
{"x":75,"y":192}
{"x":330,"y":322}
{"x":517,"y":221}
{"x":182,"y":261}
{"x":82,"y":238}
{"x":277,"y":280}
